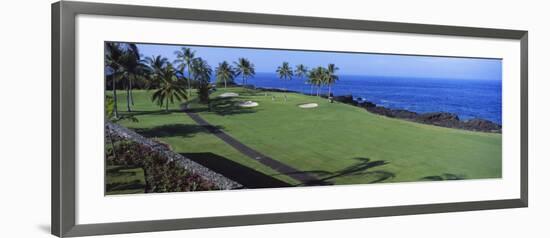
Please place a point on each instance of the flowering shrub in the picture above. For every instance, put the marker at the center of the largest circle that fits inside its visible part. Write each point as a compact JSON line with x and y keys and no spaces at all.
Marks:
{"x":161,"y":174}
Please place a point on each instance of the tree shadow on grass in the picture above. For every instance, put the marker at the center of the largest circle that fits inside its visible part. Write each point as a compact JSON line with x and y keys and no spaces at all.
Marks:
{"x":152,"y":112}
{"x":121,"y":172}
{"x":170,"y":130}
{"x":132,"y":185}
{"x":224,"y":107}
{"x":246,"y":176}
{"x":445,"y":176}
{"x":362,"y":168}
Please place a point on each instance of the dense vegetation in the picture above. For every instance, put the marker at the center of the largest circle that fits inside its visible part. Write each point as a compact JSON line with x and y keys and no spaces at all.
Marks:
{"x":126,"y":69}
{"x":135,"y":168}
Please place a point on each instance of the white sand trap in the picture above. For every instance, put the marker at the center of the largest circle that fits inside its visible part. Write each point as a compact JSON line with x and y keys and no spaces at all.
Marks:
{"x":248,"y":104}
{"x":228,"y":95}
{"x":308,"y":105}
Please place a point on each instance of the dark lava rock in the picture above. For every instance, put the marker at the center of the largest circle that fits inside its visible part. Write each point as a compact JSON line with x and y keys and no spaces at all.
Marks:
{"x":478,"y":124}
{"x":404,"y":114}
{"x":367,"y":104}
{"x":440,"y":119}
{"x":380,"y":110}
{"x":444,"y":119}
{"x":348,"y":99}
{"x":396,"y":113}
{"x":279,"y":90}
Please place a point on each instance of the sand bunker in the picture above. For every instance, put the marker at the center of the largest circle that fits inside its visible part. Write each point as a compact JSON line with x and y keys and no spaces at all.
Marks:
{"x":308,"y":105}
{"x":228,"y":95}
{"x":248,"y":104}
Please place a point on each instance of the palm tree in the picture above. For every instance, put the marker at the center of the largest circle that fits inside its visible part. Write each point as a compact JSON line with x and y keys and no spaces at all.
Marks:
{"x":312,"y":77}
{"x":318,"y":77}
{"x":185,"y":58}
{"x":331,"y":77}
{"x":301,"y":72}
{"x":170,"y":88}
{"x":224,"y":72}
{"x":113,"y":55}
{"x":285,"y":72}
{"x":133,"y":69}
{"x":156,"y":64}
{"x":244,"y":68}
{"x":202,"y":72}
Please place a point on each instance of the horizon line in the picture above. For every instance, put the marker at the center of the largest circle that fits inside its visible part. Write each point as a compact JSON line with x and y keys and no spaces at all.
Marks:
{"x":390,"y":76}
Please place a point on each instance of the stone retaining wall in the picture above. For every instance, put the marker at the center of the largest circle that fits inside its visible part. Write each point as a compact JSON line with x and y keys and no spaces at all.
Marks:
{"x":218,"y":180}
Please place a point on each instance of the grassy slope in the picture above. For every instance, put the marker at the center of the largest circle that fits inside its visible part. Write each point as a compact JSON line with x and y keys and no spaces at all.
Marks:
{"x":332,"y":138}
{"x":181,"y":132}
{"x":338,"y":142}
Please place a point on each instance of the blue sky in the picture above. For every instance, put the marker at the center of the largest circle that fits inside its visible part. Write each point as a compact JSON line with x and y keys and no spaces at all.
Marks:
{"x":349,"y":63}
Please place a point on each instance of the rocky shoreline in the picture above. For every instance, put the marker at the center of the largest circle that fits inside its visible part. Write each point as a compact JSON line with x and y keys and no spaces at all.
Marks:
{"x":443,"y":119}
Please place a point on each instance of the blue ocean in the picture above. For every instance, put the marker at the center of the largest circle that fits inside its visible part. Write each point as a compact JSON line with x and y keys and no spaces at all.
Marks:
{"x":466,"y":98}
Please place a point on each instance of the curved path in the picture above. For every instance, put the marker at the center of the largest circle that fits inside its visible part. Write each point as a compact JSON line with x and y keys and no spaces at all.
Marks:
{"x":303,"y":177}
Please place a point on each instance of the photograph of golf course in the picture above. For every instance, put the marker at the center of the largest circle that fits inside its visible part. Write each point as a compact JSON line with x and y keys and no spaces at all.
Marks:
{"x":195,"y":118}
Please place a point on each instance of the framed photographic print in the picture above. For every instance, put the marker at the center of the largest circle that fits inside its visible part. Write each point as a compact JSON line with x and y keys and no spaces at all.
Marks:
{"x":166,"y":118}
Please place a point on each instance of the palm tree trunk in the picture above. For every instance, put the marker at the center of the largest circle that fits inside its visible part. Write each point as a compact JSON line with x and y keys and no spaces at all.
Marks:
{"x":225,"y":83}
{"x":115,"y":108}
{"x":329,"y":91}
{"x":131,"y":91}
{"x":285,"y":90}
{"x":188,"y":83}
{"x":166,"y":105}
{"x":128,"y":95}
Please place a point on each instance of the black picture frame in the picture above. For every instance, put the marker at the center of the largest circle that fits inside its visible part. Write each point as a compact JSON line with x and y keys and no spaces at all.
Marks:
{"x":64,"y":133}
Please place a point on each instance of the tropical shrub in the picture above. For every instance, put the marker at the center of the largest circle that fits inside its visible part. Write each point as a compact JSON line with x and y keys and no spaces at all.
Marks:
{"x":161,"y":174}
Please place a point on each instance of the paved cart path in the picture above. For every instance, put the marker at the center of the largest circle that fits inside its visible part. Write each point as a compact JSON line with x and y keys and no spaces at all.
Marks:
{"x":303,"y":177}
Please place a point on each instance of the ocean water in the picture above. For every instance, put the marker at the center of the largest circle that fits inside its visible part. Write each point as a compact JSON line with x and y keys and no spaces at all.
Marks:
{"x":466,"y":98}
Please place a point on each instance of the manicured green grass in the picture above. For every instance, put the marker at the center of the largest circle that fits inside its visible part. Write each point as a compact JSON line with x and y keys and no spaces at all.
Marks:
{"x":182,"y":133}
{"x":124,"y":180}
{"x":339,"y":143}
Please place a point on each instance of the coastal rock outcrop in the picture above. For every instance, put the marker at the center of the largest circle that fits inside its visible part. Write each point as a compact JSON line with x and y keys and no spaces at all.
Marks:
{"x":443,"y":119}
{"x":478,"y":124}
{"x":348,"y":99}
{"x":395,"y":113}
